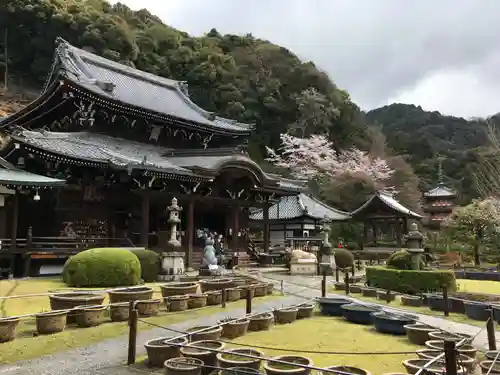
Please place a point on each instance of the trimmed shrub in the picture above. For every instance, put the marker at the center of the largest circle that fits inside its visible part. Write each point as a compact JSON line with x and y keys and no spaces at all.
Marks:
{"x":150,"y":264}
{"x":343,"y":258}
{"x":102,"y":267}
{"x":410,"y":281}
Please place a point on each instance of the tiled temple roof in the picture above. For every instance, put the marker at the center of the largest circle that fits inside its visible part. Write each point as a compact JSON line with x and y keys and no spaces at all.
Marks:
{"x":440,"y":191}
{"x":292,"y":207}
{"x":137,"y":88}
{"x":386,"y":199}
{"x":11,"y":176}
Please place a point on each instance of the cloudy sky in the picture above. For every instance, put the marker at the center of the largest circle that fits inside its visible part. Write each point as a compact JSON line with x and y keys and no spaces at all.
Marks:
{"x":441,"y":54}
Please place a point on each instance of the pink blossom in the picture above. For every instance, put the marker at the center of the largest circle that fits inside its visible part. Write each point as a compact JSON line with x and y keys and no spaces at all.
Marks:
{"x":315,"y":157}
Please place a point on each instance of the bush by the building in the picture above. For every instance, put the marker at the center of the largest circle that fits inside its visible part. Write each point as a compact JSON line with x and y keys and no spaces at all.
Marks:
{"x":343,"y":258}
{"x":150,"y":264}
{"x":410,"y":281}
{"x":102,"y":267}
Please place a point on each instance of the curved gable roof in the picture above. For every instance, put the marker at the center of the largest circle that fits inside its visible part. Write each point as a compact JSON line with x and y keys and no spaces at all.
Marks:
{"x":386,"y":199}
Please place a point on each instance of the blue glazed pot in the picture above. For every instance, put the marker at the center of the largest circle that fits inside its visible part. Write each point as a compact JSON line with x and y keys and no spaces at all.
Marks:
{"x":482,"y":275}
{"x":477,"y":310}
{"x":436,"y":302}
{"x":391,"y":323}
{"x":332,"y":306}
{"x":358,"y":314}
{"x":456,"y":305}
{"x":460,"y":274}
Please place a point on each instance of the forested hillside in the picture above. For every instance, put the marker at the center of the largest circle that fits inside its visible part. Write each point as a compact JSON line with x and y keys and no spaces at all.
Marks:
{"x":239,"y":77}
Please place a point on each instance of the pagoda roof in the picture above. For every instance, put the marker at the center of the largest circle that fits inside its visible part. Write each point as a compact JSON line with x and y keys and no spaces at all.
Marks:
{"x":384,"y":201}
{"x":139,"y":90}
{"x":97,"y":150}
{"x":292,"y":207}
{"x":440,"y":191}
{"x":10,"y":176}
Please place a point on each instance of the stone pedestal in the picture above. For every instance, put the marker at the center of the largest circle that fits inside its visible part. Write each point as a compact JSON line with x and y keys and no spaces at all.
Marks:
{"x":303,"y":267}
{"x":327,"y":264}
{"x":172,"y":266}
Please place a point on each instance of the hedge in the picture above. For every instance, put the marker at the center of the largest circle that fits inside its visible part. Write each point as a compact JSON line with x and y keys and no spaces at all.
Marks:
{"x":150,"y":264}
{"x":409,"y":281}
{"x":102,"y":267}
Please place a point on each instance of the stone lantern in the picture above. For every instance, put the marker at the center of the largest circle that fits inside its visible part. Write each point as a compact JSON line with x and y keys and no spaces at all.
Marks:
{"x":327,"y":262}
{"x":172,"y":260}
{"x":414,"y":241}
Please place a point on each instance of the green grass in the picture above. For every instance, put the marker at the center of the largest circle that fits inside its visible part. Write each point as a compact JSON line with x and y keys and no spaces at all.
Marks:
{"x":25,"y":346}
{"x":469,"y":286}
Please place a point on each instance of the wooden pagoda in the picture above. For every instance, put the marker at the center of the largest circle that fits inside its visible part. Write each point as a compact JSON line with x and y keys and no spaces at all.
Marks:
{"x":383,"y":214}
{"x":126,"y":142}
{"x":439,"y":203}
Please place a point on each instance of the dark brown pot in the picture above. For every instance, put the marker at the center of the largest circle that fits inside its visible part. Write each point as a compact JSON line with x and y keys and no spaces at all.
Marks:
{"x":179,"y":289}
{"x":51,"y":322}
{"x":230,"y":358}
{"x":233,"y":294}
{"x":305,"y":311}
{"x":119,"y":312}
{"x":183,"y":366}
{"x":270,"y":288}
{"x":178,"y":303}
{"x":273,"y":368}
{"x":260,"y":290}
{"x":8,"y":328}
{"x":68,"y":301}
{"x":213,"y":333}
{"x":216,"y":284}
{"x":197,"y":301}
{"x":90,"y":316}
{"x":130,"y":294}
{"x":214,"y":297}
{"x":161,"y":349}
{"x":261,"y":322}
{"x":286,"y":315}
{"x":204,"y":351}
{"x":149,"y":307}
{"x":234,"y":328}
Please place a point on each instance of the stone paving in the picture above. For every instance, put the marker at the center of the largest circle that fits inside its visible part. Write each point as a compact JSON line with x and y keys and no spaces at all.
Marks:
{"x":108,"y":357}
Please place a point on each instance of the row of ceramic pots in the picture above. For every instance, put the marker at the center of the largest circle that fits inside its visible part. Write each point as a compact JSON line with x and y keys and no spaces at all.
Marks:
{"x":472,"y":309}
{"x":161,"y":349}
{"x":383,"y":321}
{"x":433,"y":340}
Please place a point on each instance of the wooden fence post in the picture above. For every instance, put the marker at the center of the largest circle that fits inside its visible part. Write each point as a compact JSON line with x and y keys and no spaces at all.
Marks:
{"x":224,"y":296}
{"x":132,"y":333}
{"x":346,"y":282}
{"x":337,"y":275}
{"x":249,"y":300}
{"x":490,"y":328}
{"x":282,"y":287}
{"x":450,"y":356}
{"x":446,"y":301}
{"x":323,"y":284}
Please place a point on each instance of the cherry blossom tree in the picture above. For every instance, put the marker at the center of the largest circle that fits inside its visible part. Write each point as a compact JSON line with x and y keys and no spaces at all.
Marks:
{"x":478,"y":221}
{"x":314,"y":157}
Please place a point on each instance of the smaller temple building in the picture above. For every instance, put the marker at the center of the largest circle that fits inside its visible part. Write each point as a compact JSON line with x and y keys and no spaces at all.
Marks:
{"x":439,"y":203}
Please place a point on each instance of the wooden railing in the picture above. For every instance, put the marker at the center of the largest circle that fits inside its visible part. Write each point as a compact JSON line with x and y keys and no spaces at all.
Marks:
{"x":50,"y":247}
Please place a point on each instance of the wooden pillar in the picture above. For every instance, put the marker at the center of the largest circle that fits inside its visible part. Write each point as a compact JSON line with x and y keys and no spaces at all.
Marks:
{"x":145,"y":203}
{"x":266,"y":227}
{"x":235,"y":228}
{"x":374,"y":230}
{"x":190,"y":233}
{"x":13,"y":233}
{"x":399,"y":234}
{"x":405,"y":225}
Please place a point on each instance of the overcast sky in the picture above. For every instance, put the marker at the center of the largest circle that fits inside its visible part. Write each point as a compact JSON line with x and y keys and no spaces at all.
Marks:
{"x":441,"y":54}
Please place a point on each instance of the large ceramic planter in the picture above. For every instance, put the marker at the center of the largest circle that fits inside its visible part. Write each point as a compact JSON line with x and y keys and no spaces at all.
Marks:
{"x":413,"y":365}
{"x":391,"y":323}
{"x":260,"y":290}
{"x":486,"y":365}
{"x":51,"y":322}
{"x":384,"y":296}
{"x":355,"y":288}
{"x":369,"y":292}
{"x":68,"y":301}
{"x":491,"y":354}
{"x":358,"y":314}
{"x":260,"y":322}
{"x":438,"y":335}
{"x":418,"y":333}
{"x":209,"y":333}
{"x":233,"y":294}
{"x":411,"y":301}
{"x":233,"y":358}
{"x":457,"y":305}
{"x":429,"y":354}
{"x":275,"y":368}
{"x":148,"y":307}
{"x":90,"y":316}
{"x":119,"y":312}
{"x":214,"y":297}
{"x":183,"y":366}
{"x":465,"y":349}
{"x":286,"y":315}
{"x":179,"y":289}
{"x":8,"y":328}
{"x":205,"y":351}
{"x":305,"y":311}
{"x":239,"y":371}
{"x":436,"y":303}
{"x":339,"y":286}
{"x":244,"y":290}
{"x":234,"y":328}
{"x":130,"y":294}
{"x":161,"y":349}
{"x":197,"y":301}
{"x":347,"y":369}
{"x":477,"y":310}
{"x":216,"y":284}
{"x":331,"y":306}
{"x":178,"y":303}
